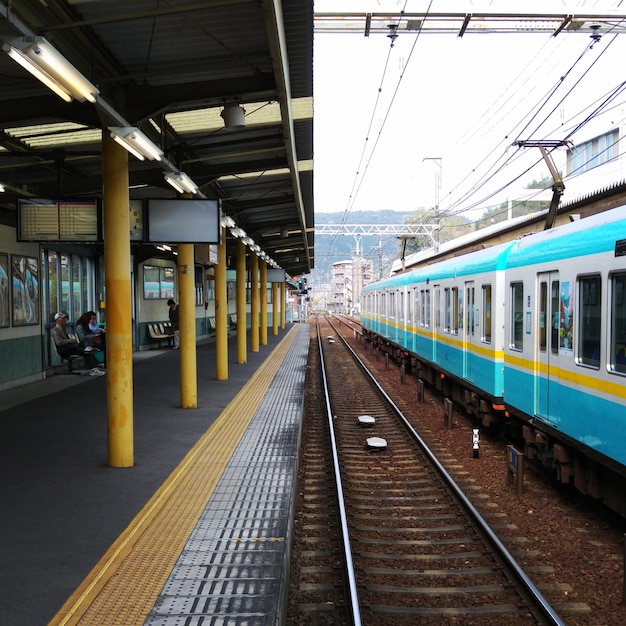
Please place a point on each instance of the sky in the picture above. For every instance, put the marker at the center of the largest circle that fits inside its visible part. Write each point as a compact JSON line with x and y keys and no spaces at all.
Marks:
{"x":433,"y":118}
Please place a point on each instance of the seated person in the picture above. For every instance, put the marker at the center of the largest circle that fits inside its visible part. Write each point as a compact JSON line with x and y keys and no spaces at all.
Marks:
{"x":66,"y":346}
{"x":89,"y":333}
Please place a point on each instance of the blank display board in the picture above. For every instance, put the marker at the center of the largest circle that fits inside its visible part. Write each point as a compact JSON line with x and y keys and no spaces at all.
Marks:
{"x":182,"y":220}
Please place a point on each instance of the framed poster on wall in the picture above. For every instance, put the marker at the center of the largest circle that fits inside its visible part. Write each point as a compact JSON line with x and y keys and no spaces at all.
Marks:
{"x":5,"y":315}
{"x":158,"y":282}
{"x":25,"y":281}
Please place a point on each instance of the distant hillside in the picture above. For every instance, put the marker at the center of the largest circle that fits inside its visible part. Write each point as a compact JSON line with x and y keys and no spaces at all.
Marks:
{"x":330,"y":249}
{"x":385,"y":216}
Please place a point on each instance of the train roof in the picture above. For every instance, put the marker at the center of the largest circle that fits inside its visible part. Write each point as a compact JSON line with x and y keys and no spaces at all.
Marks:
{"x":479,"y":262}
{"x":592,"y":235}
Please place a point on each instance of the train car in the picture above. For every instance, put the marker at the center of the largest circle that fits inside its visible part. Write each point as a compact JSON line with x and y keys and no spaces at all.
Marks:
{"x":529,"y":335}
{"x":564,"y":363}
{"x":453,"y":327}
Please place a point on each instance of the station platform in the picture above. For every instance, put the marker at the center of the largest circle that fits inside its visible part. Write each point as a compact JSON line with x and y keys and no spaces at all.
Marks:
{"x":197,"y":532}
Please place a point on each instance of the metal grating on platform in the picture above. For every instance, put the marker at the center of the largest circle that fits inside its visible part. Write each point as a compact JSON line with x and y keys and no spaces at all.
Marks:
{"x":232,"y":570}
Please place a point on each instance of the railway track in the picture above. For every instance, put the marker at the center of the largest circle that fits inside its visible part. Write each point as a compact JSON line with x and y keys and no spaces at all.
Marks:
{"x":416,"y":548}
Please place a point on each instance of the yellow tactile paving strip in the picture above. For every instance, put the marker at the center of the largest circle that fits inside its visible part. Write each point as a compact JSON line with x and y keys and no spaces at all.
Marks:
{"x":124,"y":585}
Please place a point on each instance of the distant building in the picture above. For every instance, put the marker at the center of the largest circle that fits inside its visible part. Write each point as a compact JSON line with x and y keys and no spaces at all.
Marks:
{"x":362,"y":274}
{"x":594,"y":164}
{"x":347,"y":281}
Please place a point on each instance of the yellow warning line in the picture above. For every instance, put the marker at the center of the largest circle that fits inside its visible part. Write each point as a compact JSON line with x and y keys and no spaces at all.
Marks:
{"x":124,"y":585}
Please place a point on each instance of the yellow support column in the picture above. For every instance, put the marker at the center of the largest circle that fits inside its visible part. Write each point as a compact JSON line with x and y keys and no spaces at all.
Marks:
{"x":263,"y":290}
{"x":221,"y":312}
{"x":187,"y":321}
{"x":275,"y":312}
{"x":242,"y":356}
{"x":254,"y":303}
{"x":117,"y":271}
{"x":283,"y":303}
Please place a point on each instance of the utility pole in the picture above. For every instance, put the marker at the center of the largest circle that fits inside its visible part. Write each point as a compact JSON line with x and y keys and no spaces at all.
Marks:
{"x":438,"y":177}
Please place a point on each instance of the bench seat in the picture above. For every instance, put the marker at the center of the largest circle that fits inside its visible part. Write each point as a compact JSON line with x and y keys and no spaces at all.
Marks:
{"x":71,"y":358}
{"x":158,"y":334}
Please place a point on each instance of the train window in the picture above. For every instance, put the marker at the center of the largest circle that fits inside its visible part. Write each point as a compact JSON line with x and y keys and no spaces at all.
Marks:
{"x":470,"y":308}
{"x":409,"y":306}
{"x":416,"y":309}
{"x":543,"y":316}
{"x":618,"y":323}
{"x":486,"y":336}
{"x":517,"y":316}
{"x":401,"y":306}
{"x":454,"y":310}
{"x":556,"y":316}
{"x":437,"y":296}
{"x":425,"y":308}
{"x":451,"y":310}
{"x":589,"y":320}
{"x":391,"y":311}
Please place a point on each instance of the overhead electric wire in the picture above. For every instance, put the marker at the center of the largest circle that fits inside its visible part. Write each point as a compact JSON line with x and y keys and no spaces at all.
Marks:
{"x":605,"y":101}
{"x":390,"y":105}
{"x":516,"y":92}
{"x":495,"y":168}
{"x":511,"y":93}
{"x":491,"y":172}
{"x":356,"y":185}
{"x":504,"y":159}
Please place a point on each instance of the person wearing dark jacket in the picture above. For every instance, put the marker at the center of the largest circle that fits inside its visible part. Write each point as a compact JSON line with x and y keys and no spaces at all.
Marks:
{"x":90,"y":334}
{"x":174,"y":322}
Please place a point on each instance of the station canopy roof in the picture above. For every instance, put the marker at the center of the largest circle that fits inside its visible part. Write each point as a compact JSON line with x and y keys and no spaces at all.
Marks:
{"x":169,"y":70}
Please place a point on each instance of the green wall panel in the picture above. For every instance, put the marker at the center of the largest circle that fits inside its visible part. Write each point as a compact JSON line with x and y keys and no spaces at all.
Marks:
{"x":20,"y":357}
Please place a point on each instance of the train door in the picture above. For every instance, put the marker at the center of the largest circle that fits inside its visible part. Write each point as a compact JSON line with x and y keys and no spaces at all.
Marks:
{"x":468,"y":334}
{"x":546,"y":373}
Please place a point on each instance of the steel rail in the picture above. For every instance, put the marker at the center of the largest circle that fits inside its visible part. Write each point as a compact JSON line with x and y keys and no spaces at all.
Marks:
{"x":355,"y":605}
{"x":547,"y":611}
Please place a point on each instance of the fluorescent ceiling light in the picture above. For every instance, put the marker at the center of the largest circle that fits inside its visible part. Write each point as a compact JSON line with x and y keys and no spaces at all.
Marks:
{"x":181,"y":182}
{"x":238,"y":232}
{"x":133,"y":140}
{"x":44,"y":62}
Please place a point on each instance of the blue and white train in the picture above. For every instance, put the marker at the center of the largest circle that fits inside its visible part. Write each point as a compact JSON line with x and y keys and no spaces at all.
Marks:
{"x":529,"y":334}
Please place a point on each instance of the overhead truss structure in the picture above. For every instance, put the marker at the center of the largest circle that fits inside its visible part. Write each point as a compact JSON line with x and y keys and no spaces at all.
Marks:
{"x":461,"y":23}
{"x":362,"y":230}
